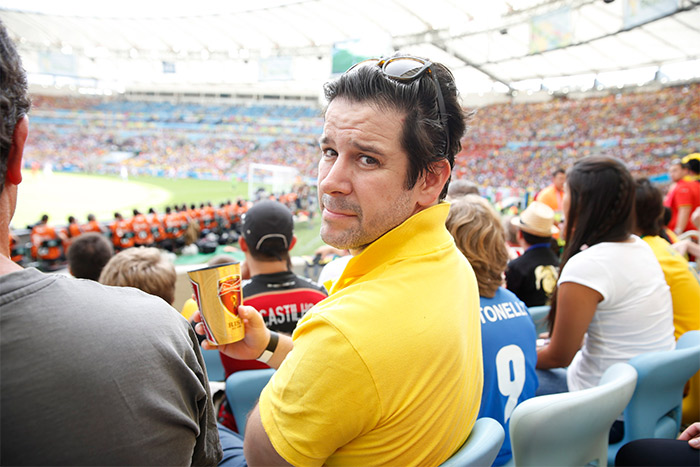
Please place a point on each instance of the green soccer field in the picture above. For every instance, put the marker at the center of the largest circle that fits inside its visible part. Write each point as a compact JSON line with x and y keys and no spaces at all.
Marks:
{"x":61,"y":195}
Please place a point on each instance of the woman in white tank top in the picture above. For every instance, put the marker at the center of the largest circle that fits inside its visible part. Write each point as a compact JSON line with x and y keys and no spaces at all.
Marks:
{"x":612,"y":301}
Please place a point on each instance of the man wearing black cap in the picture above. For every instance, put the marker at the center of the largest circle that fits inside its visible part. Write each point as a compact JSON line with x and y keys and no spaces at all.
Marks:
{"x":274,"y":290}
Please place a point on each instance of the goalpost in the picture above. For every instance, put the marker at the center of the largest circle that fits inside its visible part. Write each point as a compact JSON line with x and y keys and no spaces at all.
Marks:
{"x":273,"y":179}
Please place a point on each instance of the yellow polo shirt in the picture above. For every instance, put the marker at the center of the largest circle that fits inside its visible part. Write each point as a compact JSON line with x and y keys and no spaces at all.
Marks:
{"x":388,"y":369}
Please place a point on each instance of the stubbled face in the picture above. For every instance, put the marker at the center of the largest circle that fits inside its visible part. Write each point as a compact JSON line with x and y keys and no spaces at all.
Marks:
{"x":362,"y":174}
{"x":559,"y":180}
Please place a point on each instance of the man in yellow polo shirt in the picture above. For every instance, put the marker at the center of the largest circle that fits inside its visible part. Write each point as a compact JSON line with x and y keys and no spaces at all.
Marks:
{"x":388,"y":369}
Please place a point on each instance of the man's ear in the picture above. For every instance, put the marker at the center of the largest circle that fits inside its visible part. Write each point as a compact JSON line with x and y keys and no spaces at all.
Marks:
{"x":14,"y":159}
{"x":242,"y":243}
{"x":432,"y":182}
{"x":293,"y":242}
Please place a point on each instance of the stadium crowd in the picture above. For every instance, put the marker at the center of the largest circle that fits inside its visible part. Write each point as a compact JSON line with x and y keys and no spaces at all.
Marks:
{"x":175,"y":141}
{"x":507,"y":145}
{"x":519,"y":145}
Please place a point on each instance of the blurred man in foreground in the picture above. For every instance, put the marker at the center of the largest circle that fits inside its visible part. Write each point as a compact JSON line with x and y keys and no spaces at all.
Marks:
{"x":90,"y":375}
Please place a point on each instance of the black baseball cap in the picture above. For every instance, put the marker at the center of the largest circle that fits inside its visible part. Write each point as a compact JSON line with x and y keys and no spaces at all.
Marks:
{"x":268,"y":226}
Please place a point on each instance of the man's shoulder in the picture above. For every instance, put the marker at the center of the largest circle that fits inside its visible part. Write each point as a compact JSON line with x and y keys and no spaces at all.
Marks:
{"x":309,"y":284}
{"x":68,"y":291}
{"x":503,"y":295}
{"x":401,"y":282}
{"x":515,"y":270}
{"x":683,"y":186}
{"x":519,"y":260}
{"x":545,"y":255}
{"x":523,"y":261}
{"x":687,"y":187}
{"x":546,"y":191}
{"x":80,"y":307}
{"x":695,"y":186}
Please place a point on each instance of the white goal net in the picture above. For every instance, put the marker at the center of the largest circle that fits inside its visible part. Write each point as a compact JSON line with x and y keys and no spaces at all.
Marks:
{"x":267,"y":179}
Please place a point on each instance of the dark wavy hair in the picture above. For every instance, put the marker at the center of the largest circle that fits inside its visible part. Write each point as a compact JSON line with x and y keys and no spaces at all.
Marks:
{"x":601,"y":208}
{"x":423,"y":137}
{"x":88,"y":255}
{"x":14,"y":100}
{"x":649,"y":208}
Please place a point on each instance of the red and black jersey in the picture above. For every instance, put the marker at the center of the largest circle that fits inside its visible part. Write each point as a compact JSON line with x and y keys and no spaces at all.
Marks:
{"x":282,"y":298}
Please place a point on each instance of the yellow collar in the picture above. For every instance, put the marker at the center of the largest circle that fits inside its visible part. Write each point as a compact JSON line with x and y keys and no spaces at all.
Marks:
{"x":420,"y":234}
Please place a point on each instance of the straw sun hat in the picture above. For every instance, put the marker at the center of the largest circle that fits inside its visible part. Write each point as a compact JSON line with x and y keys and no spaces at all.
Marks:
{"x":536,"y":219}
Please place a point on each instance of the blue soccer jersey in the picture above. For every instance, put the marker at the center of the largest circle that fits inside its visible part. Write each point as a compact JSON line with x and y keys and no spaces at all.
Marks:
{"x":509,"y":344}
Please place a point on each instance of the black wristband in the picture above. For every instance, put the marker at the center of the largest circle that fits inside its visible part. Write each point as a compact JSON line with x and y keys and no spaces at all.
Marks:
{"x":270,"y":349}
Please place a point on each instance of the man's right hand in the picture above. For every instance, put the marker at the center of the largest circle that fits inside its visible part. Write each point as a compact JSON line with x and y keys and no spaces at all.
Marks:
{"x":692,"y":435}
{"x":251,"y":346}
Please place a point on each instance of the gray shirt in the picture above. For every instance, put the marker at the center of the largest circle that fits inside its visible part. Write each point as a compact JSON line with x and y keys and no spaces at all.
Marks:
{"x":99,"y":375}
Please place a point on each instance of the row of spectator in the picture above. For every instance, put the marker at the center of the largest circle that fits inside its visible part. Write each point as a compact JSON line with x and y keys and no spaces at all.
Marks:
{"x":183,"y":109}
{"x":176,"y":227}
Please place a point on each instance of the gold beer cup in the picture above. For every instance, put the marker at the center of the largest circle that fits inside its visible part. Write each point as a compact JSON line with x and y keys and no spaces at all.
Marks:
{"x":217,"y":290}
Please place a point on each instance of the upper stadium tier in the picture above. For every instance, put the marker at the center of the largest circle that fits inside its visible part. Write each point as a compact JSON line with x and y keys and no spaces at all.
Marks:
{"x":507,"y":145}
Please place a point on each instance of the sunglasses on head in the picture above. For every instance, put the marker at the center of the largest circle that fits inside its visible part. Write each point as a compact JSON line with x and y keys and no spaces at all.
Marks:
{"x":405,"y":69}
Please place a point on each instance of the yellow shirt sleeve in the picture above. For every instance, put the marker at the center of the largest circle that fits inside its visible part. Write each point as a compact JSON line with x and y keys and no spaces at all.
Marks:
{"x":189,"y":308}
{"x":321,"y":398}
